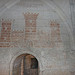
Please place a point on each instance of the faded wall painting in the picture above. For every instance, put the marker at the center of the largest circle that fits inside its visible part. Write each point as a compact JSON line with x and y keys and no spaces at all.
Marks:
{"x":36,"y":38}
{"x":31,"y":36}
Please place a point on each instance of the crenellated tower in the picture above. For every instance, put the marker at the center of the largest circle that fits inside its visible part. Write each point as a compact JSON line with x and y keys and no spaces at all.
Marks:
{"x":55,"y":33}
{"x":30,"y":25}
{"x":5,"y":32}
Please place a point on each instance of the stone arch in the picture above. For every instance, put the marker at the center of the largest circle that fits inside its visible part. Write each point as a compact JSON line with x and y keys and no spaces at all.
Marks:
{"x":25,"y":52}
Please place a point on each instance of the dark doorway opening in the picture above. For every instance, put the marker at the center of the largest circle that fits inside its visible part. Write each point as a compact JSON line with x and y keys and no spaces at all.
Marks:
{"x":25,"y":64}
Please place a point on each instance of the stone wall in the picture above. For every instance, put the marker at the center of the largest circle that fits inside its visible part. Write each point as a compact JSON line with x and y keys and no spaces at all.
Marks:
{"x":39,"y":28}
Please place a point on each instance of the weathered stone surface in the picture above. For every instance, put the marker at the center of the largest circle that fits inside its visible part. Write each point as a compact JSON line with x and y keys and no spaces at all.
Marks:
{"x":39,"y":28}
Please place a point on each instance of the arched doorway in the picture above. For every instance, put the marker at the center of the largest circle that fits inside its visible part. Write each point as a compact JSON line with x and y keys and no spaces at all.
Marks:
{"x":25,"y":64}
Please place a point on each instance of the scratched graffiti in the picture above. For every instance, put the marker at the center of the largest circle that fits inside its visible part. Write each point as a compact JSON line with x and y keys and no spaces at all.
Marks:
{"x":30,"y":37}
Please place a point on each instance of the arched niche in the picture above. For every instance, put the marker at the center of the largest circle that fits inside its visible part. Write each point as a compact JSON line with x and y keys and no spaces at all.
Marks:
{"x":20,"y":56}
{"x":25,"y":64}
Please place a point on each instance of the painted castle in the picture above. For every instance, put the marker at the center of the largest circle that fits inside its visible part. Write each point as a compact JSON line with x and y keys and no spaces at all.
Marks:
{"x":30,"y":37}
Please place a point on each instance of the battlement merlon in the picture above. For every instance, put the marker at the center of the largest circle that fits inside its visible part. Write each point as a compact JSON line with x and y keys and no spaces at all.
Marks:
{"x":31,"y":16}
{"x":54,"y":23}
{"x":18,"y":31}
{"x":7,"y":20}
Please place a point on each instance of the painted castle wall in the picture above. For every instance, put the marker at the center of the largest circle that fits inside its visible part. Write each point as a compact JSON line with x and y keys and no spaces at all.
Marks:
{"x":41,"y":28}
